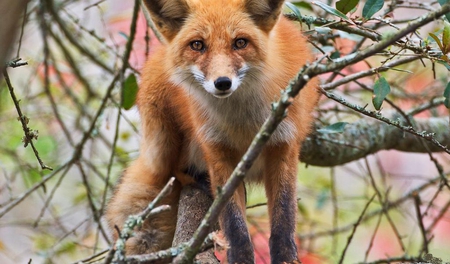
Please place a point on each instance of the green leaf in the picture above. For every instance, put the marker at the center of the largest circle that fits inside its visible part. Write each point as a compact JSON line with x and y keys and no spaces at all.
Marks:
{"x":303,"y":210}
{"x":124,"y":35}
{"x":32,"y":177}
{"x":447,"y":96}
{"x":43,"y":241}
{"x":446,"y":38}
{"x":335,"y":55}
{"x":330,"y":10}
{"x":334,"y":128}
{"x":354,"y":10}
{"x":46,"y":145}
{"x":446,"y":65}
{"x":443,"y":2}
{"x":129,"y":92}
{"x":322,"y":198}
{"x":381,"y":89}
{"x":79,"y":195}
{"x":371,"y":7}
{"x":304,"y":4}
{"x":438,"y":41}
{"x":68,"y":247}
{"x":294,"y":9}
{"x":346,"y":6}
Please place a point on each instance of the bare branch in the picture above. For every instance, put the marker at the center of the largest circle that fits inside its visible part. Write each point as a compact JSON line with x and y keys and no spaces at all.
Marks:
{"x":417,"y":203}
{"x":30,"y":134}
{"x":355,"y":226}
{"x":137,"y":220}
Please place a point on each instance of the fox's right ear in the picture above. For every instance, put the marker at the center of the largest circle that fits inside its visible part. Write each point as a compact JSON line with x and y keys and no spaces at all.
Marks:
{"x":168,"y":15}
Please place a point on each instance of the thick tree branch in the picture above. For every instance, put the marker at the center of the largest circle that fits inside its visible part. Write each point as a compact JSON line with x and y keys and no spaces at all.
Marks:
{"x":194,"y":203}
{"x":430,"y":137}
{"x":368,"y":136}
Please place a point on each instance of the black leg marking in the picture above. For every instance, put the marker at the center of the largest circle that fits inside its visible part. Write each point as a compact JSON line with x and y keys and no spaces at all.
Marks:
{"x":235,"y":228}
{"x":282,"y":242}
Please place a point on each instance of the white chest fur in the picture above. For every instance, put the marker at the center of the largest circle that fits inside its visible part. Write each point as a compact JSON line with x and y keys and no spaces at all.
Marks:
{"x":235,"y":120}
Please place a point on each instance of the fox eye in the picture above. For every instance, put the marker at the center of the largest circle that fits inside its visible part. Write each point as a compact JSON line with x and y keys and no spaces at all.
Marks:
{"x":240,"y":43}
{"x":197,"y":45}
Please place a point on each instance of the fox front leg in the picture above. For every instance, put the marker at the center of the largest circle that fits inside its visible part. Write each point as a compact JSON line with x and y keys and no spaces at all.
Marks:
{"x":232,"y":222}
{"x":221,"y":161}
{"x":280,"y":185}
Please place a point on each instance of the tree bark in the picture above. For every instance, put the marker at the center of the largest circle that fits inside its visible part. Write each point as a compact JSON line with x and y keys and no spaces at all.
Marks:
{"x":193,"y":205}
{"x":368,"y":136}
{"x":10,"y":12}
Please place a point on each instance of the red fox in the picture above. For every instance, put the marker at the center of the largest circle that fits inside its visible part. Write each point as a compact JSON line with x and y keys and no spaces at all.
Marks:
{"x":203,"y":96}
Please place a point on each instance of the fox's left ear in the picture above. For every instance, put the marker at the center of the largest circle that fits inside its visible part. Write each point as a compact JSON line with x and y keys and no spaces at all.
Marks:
{"x":265,"y":13}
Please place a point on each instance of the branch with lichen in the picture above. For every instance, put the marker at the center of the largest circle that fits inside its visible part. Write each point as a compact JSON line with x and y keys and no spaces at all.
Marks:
{"x":368,"y":136}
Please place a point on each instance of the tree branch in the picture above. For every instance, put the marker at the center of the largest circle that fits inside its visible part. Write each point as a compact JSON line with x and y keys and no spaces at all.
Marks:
{"x":29,"y":133}
{"x":368,"y":136}
{"x":192,"y":208}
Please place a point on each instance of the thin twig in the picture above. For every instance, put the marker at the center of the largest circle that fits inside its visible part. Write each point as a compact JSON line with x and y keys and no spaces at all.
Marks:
{"x":383,"y":202}
{"x":369,"y":72}
{"x":439,"y":217}
{"x":150,"y":22}
{"x":355,"y":226}
{"x":388,"y":206}
{"x":125,"y":64}
{"x":70,"y":37}
{"x":346,"y":27}
{"x":36,"y":186}
{"x":417,"y":203}
{"x":372,"y":239}
{"x":137,"y":220}
{"x":334,"y":202}
{"x":29,"y":134}
{"x":95,"y":212}
{"x":22,"y":29}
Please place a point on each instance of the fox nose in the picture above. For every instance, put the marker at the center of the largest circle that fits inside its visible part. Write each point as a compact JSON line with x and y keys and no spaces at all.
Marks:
{"x":222,"y":83}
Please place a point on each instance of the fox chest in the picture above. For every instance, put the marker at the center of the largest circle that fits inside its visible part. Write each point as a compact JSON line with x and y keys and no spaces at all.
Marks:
{"x":236,"y":121}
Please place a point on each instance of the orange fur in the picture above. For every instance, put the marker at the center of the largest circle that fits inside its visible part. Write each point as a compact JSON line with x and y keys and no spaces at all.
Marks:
{"x":188,"y":121}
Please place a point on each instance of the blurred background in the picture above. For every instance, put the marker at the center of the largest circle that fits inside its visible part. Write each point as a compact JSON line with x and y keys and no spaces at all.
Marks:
{"x":77,"y":98}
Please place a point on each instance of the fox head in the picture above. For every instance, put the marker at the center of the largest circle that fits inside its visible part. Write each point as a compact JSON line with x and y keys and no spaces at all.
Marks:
{"x":215,"y":45}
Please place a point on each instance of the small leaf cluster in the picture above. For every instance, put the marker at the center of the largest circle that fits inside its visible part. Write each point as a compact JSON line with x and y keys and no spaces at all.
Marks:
{"x":344,"y":7}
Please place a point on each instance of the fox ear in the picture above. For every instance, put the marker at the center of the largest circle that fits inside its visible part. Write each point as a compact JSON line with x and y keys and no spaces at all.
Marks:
{"x":168,"y":15}
{"x":265,"y":13}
